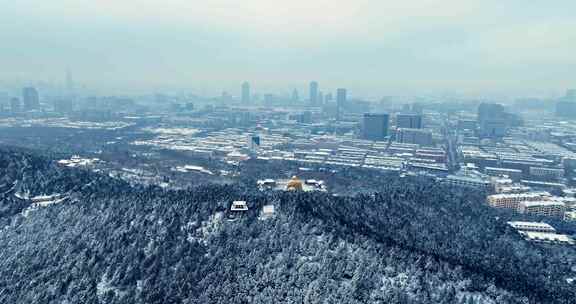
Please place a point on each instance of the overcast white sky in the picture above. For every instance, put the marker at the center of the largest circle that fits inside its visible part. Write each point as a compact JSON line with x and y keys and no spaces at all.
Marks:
{"x":373,"y":47}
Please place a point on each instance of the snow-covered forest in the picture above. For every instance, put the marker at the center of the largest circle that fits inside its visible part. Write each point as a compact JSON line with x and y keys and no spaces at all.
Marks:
{"x":409,"y":241}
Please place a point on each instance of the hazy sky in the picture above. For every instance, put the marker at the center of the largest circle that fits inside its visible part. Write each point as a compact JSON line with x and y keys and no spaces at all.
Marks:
{"x":373,"y":47}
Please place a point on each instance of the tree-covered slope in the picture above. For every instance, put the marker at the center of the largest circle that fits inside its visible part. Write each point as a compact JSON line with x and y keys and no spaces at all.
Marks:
{"x":24,"y":174}
{"x":412,"y":242}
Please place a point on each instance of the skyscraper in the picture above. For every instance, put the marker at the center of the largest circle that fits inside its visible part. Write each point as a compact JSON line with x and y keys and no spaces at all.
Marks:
{"x":492,"y":120}
{"x":414,"y":136}
{"x":269,"y":99}
{"x":245,"y":93}
{"x":15,"y":105}
{"x":493,"y":128}
{"x":375,"y":126}
{"x":566,"y":109}
{"x":313,"y":93}
{"x":410,"y":121}
{"x":489,"y":110}
{"x":295,"y":96}
{"x":320,"y":100}
{"x":328,"y":98}
{"x":226,"y":97}
{"x":30,"y":98}
{"x":340,"y":101}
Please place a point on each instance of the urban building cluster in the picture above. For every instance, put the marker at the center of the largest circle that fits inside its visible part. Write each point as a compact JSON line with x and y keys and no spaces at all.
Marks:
{"x":541,"y":233}
{"x":523,"y":157}
{"x":533,"y":203}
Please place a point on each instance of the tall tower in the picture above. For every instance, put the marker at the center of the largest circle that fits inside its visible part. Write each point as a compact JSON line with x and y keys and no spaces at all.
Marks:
{"x":340,"y":101}
{"x":313,"y":93}
{"x":492,"y":120}
{"x":245,"y":93}
{"x":409,"y":121}
{"x":295,"y":96}
{"x":30,"y":98}
{"x":375,"y":126}
{"x":328,"y":98}
{"x":15,"y":105}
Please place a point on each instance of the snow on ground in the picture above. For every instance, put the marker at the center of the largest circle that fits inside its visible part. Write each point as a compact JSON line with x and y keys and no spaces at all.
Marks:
{"x":105,"y":286}
{"x":135,"y":171}
{"x":77,"y":161}
{"x":21,"y":195}
{"x":207,"y":228}
{"x":190,"y":168}
{"x":14,"y":184}
{"x":42,"y":201}
{"x":62,"y":123}
{"x":172,"y":131}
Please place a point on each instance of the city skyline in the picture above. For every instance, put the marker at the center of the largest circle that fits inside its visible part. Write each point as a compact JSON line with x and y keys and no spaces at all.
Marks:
{"x":375,"y":48}
{"x":304,"y":151}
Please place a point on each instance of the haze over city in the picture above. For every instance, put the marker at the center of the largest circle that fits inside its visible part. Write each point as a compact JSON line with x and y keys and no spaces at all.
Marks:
{"x":315,"y":152}
{"x":377,"y":48}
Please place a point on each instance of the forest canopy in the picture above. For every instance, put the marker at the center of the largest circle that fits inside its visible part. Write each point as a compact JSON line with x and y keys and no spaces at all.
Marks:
{"x":409,"y":241}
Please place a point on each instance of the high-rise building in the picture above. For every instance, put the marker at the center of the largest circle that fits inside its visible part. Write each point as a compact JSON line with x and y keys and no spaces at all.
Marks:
{"x":489,"y":110}
{"x":295,"y":96}
{"x":467,"y":124}
{"x":305,"y":117}
{"x":566,"y":108}
{"x":340,"y":102}
{"x":493,"y":128}
{"x":328,"y":98}
{"x":409,"y":121}
{"x":253,"y":143}
{"x":245,"y":93}
{"x":414,"y":136}
{"x":320,"y":100}
{"x":375,"y":126}
{"x":492,"y":120}
{"x":30,"y":98}
{"x":226,"y":97}
{"x":269,"y":99}
{"x":15,"y":105}
{"x":313,"y":93}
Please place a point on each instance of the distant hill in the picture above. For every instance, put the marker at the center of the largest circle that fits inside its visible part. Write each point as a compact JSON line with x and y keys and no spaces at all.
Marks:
{"x":413,"y":241}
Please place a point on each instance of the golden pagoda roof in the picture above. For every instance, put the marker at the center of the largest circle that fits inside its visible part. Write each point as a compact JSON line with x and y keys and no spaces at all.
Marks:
{"x":294,"y":184}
